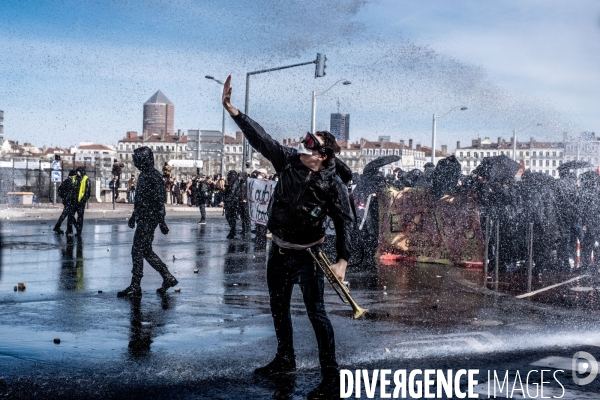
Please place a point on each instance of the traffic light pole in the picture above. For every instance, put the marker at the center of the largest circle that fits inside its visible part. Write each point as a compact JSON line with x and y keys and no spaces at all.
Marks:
{"x":247,"y":150}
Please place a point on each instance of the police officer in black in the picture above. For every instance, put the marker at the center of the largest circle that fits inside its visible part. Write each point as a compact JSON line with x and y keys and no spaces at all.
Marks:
{"x":308,"y":189}
{"x":148,"y":213}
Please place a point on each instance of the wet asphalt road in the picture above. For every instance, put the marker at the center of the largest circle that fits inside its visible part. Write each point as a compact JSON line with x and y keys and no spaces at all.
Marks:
{"x":204,"y":341}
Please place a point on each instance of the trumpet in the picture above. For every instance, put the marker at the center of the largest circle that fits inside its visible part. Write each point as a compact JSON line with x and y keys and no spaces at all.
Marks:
{"x":336,"y":284}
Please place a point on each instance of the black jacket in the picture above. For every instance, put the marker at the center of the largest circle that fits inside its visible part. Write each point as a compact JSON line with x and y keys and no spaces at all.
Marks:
{"x":302,"y":197}
{"x":151,"y":191}
{"x":64,"y":190}
{"x":232,"y":195}
{"x":567,"y":196}
{"x":202,"y":191}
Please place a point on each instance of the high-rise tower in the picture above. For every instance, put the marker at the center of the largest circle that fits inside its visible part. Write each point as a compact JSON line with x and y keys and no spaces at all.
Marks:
{"x":340,"y":126}
{"x":159,"y":115}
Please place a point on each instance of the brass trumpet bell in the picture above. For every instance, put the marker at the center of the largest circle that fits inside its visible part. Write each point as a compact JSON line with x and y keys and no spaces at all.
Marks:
{"x":336,"y":284}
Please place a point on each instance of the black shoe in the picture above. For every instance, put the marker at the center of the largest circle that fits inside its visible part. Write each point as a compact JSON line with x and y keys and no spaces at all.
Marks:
{"x":202,"y":222}
{"x":329,"y":388}
{"x":278,"y":365}
{"x":167,"y":283}
{"x":58,"y":231}
{"x":231,"y":235}
{"x":130,"y":291}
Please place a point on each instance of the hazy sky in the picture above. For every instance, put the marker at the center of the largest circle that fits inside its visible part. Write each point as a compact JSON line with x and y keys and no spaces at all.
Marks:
{"x":79,"y":70}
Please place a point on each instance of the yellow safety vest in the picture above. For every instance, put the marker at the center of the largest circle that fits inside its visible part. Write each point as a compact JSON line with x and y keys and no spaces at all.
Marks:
{"x":81,"y":187}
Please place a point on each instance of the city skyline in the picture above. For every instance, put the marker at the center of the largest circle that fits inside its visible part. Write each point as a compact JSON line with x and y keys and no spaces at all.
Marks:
{"x":510,"y":63}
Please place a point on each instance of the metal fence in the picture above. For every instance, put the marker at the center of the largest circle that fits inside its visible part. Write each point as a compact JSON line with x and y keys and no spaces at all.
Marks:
{"x":35,"y":176}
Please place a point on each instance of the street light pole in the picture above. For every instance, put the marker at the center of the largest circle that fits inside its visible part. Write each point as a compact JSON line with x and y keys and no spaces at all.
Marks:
{"x":222,"y":129}
{"x":433,"y":131}
{"x":314,"y":103}
{"x":313,"y":112}
{"x":514,"y":145}
{"x":515,"y":138}
{"x":433,"y":141}
{"x":247,"y":151}
{"x":245,"y":146}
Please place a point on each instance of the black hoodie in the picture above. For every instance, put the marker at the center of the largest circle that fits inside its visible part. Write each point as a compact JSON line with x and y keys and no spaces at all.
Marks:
{"x":302,"y":197}
{"x":151,"y":191}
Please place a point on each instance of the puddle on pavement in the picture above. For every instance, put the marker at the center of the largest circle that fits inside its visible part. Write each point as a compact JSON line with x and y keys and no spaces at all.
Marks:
{"x":28,"y":246}
{"x":582,"y":292}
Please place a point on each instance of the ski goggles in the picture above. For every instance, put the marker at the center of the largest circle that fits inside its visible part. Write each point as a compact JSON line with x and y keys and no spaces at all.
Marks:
{"x":309,"y":143}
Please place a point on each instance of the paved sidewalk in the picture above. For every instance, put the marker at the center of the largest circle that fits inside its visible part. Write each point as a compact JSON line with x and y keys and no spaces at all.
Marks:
{"x":48,"y":211}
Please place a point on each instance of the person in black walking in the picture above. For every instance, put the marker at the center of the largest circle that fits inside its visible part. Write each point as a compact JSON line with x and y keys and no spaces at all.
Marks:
{"x":80,"y":193}
{"x":244,"y":206}
{"x":64,"y":191}
{"x":231,"y":201}
{"x":308,"y":190}
{"x":202,"y":194}
{"x":148,"y":213}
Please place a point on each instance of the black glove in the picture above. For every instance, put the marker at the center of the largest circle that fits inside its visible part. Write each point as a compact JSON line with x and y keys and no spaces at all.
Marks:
{"x":131,"y":222}
{"x":163,"y":227}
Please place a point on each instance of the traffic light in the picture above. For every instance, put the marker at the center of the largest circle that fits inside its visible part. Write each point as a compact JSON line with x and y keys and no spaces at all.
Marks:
{"x":320,"y":68}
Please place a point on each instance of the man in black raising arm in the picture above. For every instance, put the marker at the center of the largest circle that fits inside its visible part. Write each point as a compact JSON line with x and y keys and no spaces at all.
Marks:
{"x":309,"y":189}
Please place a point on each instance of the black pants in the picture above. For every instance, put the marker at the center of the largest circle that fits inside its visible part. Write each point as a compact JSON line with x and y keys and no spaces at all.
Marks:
{"x":63,"y":216}
{"x":261,"y":235}
{"x":116,"y":188}
{"x":142,"y":249}
{"x":245,"y":217}
{"x":231,"y":217}
{"x":217,"y":198}
{"x":283,"y":271}
{"x":568,"y":245}
{"x":78,"y":208}
{"x":202,"y":207}
{"x":587,"y":246}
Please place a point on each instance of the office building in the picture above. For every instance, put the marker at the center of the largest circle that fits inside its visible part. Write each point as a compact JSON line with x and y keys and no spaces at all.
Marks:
{"x":544,"y":157}
{"x":340,"y":126}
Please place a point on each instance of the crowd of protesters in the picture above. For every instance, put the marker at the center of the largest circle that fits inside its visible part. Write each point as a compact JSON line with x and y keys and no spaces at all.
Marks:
{"x":202,"y":191}
{"x":563,"y":211}
{"x":511,"y":199}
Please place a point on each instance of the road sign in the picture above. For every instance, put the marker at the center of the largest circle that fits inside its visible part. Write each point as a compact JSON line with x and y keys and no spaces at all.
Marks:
{"x":56,"y":176}
{"x":186,"y":163}
{"x":56,"y":165}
